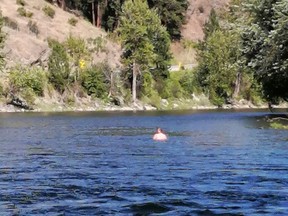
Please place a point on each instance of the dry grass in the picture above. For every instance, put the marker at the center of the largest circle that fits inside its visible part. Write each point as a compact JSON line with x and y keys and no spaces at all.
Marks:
{"x":197,"y":14}
{"x":181,"y":55}
{"x":24,"y":47}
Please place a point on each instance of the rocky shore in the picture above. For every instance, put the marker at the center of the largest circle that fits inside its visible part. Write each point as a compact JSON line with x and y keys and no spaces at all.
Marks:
{"x":139,"y":106}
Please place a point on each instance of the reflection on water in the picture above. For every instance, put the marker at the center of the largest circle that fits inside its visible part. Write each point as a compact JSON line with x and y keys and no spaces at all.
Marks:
{"x":214,"y":163}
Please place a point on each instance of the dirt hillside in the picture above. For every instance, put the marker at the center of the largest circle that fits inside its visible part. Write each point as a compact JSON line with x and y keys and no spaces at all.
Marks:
{"x":24,"y":46}
{"x":197,"y":14}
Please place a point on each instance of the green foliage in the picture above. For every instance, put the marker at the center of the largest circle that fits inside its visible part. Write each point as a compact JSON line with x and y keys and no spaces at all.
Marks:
{"x":154,"y":99}
{"x":33,"y":27}
{"x":212,"y":25}
{"x":72,"y":21}
{"x":28,"y":79}
{"x":149,"y":93}
{"x":76,"y":48}
{"x":2,"y":91}
{"x":188,"y":82}
{"x":147,"y":84}
{"x":49,"y":11}
{"x":251,"y":90}
{"x":2,"y":41}
{"x":94,"y":81}
{"x":144,"y":40}
{"x":279,"y":126}
{"x":20,"y":2}
{"x":22,"y":12}
{"x":11,"y":23}
{"x":97,"y":44}
{"x":77,"y":51}
{"x":172,"y":14}
{"x":112,"y":15}
{"x":265,"y":47}
{"x":218,"y":65}
{"x":188,"y":44}
{"x":133,"y":29}
{"x":58,"y":65}
{"x":173,"y":88}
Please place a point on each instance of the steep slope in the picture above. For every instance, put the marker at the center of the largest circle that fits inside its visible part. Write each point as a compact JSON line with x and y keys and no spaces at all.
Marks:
{"x":24,"y":46}
{"x":197,"y":14}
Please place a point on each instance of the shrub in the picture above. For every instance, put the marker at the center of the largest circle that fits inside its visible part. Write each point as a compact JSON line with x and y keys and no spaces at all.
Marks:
{"x":189,"y":82}
{"x":72,"y":21}
{"x":1,"y":90}
{"x":94,"y":82}
{"x":76,"y":47}
{"x":49,"y":11}
{"x":29,"y":14}
{"x":172,"y":86}
{"x":31,"y":79}
{"x":98,"y":44}
{"x":33,"y":27}
{"x":58,"y":65}
{"x":10,"y":23}
{"x":22,"y":12}
{"x":20,"y":2}
{"x":147,"y":84}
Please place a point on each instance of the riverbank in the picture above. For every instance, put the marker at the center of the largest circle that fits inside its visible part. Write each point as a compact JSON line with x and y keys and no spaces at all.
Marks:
{"x":98,"y":105}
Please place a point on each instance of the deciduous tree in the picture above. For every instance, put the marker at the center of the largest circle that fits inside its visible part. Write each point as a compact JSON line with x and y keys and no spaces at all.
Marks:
{"x":266,"y":46}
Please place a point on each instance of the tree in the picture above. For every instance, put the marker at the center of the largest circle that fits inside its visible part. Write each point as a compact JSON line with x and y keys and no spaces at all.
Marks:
{"x":141,"y":34}
{"x":212,"y":25}
{"x":220,"y":61}
{"x":2,"y":40}
{"x":172,"y":14}
{"x":58,"y":65}
{"x":112,"y":14}
{"x":266,"y":41}
{"x":218,"y":66}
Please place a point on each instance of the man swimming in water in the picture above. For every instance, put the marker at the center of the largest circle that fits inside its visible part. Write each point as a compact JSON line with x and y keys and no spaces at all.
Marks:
{"x":159,"y":135}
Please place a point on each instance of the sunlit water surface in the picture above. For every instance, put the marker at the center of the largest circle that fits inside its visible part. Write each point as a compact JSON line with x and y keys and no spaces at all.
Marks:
{"x":214,"y":163}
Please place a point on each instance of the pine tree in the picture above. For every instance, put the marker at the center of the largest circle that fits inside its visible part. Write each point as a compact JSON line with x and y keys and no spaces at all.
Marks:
{"x":143,"y":40}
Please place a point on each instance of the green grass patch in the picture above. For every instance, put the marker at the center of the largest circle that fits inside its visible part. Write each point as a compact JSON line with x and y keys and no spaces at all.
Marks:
{"x":277,"y":125}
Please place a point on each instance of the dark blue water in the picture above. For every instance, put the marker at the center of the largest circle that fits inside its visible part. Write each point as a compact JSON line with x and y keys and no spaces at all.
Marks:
{"x":214,"y":163}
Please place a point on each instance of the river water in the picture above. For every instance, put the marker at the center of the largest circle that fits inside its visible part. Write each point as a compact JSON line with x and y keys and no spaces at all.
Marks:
{"x":214,"y":163}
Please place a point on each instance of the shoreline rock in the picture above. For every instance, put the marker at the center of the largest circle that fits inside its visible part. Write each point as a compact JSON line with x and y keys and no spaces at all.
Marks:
{"x":5,"y":108}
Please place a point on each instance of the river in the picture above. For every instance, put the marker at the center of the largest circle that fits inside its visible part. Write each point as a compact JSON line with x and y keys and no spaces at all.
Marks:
{"x":101,"y":163}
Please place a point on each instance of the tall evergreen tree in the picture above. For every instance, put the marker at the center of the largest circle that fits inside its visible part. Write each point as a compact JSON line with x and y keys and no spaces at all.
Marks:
{"x":141,"y":34}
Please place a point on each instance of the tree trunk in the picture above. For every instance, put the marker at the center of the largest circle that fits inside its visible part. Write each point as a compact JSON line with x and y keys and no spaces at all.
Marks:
{"x":111,"y":84}
{"x":237,"y":85}
{"x":93,"y":14}
{"x":134,"y":82}
{"x":63,"y":4}
{"x":98,"y":15}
